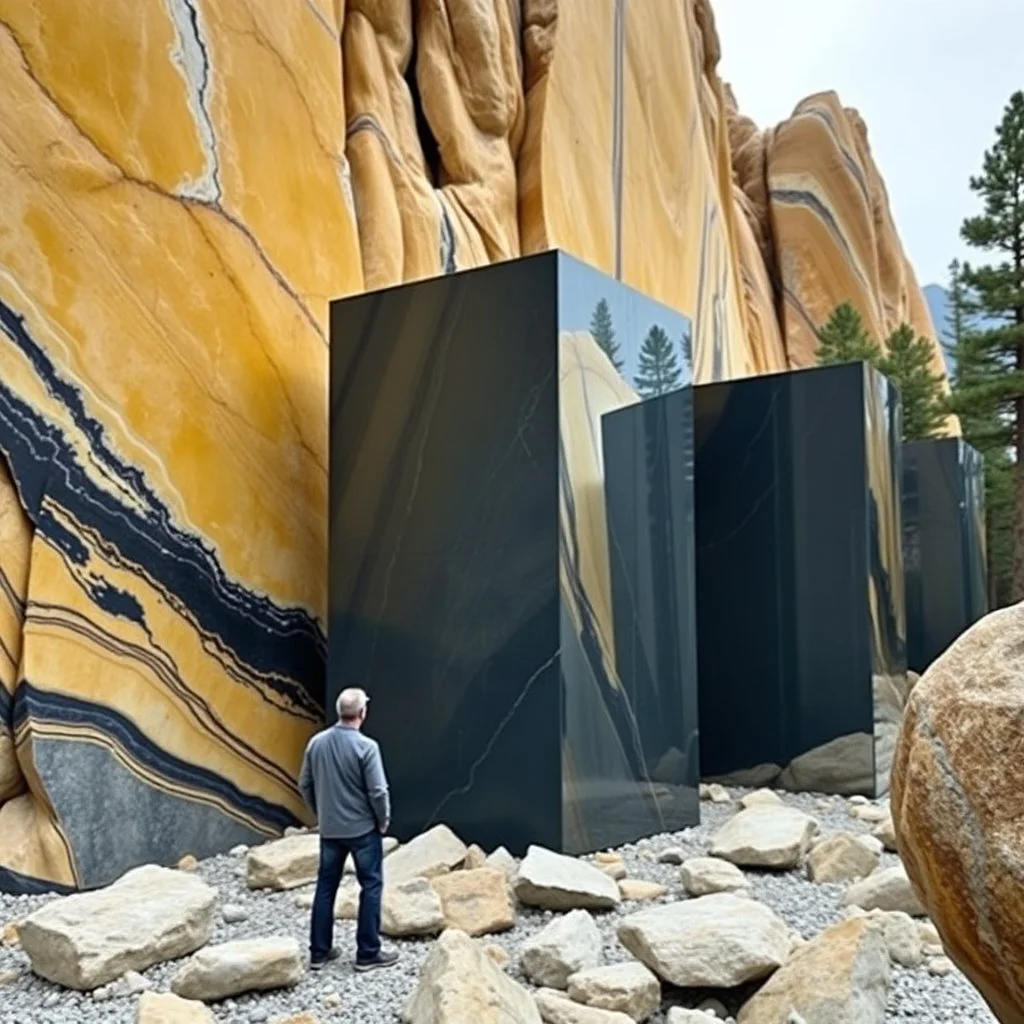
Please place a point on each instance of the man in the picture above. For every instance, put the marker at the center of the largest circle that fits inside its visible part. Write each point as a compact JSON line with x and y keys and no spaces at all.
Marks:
{"x":342,"y":779}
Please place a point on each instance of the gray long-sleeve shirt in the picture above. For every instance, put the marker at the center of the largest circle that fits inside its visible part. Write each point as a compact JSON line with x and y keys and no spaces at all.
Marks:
{"x":342,"y":780}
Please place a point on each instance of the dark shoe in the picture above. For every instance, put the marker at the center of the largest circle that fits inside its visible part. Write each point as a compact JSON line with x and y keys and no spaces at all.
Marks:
{"x":319,"y":965}
{"x":385,"y":958}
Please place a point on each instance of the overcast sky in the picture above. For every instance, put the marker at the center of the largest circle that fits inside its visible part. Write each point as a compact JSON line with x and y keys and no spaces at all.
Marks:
{"x":930,"y":77}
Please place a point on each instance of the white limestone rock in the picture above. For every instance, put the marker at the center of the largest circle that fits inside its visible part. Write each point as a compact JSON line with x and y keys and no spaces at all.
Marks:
{"x":715,"y":792}
{"x":637,"y":890}
{"x":435,"y":852}
{"x":628,"y":988}
{"x":245,"y":965}
{"x":761,"y":798}
{"x":459,"y":983}
{"x":765,"y":837}
{"x":568,"y":944}
{"x":284,"y":863}
{"x":703,"y":876}
{"x":149,"y":915}
{"x":167,"y":1008}
{"x":553,"y":881}
{"x":885,"y":831}
{"x":556,"y":1008}
{"x":840,"y":857}
{"x":885,"y":889}
{"x":504,"y":861}
{"x":476,"y":901}
{"x":411,"y":908}
{"x":713,"y":941}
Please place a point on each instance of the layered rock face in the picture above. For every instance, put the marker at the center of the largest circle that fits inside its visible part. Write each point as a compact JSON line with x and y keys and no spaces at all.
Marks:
{"x":183,"y":187}
{"x":958,"y":804}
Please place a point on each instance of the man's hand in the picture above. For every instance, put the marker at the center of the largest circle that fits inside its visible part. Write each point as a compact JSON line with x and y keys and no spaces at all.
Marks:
{"x":383,"y":827}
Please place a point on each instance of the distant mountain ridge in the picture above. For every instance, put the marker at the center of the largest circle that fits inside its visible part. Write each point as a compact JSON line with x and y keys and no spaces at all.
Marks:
{"x":938,"y":306}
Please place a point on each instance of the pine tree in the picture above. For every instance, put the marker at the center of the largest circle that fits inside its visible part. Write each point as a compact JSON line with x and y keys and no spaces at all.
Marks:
{"x":604,"y":333}
{"x":989,"y":392}
{"x":844,"y":339}
{"x":987,"y":430}
{"x":908,"y":364}
{"x":686,"y":344}
{"x":659,"y":369}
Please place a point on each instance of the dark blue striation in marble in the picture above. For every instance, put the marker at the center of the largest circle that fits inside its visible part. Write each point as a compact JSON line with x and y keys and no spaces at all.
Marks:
{"x":279,"y":650}
{"x":943,"y":544}
{"x":470,"y":586}
{"x":284,"y":645}
{"x":801,"y":635}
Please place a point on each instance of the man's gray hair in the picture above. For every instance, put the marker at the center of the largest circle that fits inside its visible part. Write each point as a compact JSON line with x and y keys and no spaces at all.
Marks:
{"x":351,"y":702}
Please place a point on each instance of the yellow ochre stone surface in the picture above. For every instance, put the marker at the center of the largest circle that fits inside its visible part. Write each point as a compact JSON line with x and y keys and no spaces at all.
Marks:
{"x":184,"y":186}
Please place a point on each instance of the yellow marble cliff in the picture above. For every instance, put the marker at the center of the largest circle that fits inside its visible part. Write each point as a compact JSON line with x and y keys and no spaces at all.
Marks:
{"x":184,"y":184}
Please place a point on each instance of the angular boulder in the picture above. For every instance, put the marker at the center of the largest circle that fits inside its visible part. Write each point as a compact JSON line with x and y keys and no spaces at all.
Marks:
{"x":885,"y":889}
{"x":149,"y":915}
{"x":761,"y":798}
{"x":713,"y":941}
{"x":435,"y":852}
{"x":167,"y":1008}
{"x":638,"y":890}
{"x":284,"y":863}
{"x":840,"y":977}
{"x":841,"y":857}
{"x":885,"y":832}
{"x":553,"y":881}
{"x":568,"y":944}
{"x":556,"y":1008}
{"x":765,"y":837}
{"x":901,"y":935}
{"x":957,"y":804}
{"x":703,"y":876}
{"x":503,"y":861}
{"x":245,"y":965}
{"x":411,"y":908}
{"x":476,"y":901}
{"x":628,"y":988}
{"x":459,"y":983}
{"x":408,"y":909}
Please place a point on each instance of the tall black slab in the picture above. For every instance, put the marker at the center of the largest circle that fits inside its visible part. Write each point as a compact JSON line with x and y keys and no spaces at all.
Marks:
{"x":470,"y":577}
{"x":800,"y":612}
{"x":943,"y":544}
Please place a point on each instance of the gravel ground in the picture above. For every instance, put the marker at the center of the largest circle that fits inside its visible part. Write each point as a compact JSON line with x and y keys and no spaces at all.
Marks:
{"x":807,"y":907}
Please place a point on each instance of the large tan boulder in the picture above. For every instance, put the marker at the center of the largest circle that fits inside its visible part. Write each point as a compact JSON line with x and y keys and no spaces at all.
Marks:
{"x":245,"y":965}
{"x":841,"y":977}
{"x":553,"y":881}
{"x":149,"y":915}
{"x":565,"y":945}
{"x":628,"y":988}
{"x":459,"y":983}
{"x":885,"y":889}
{"x":765,"y":837}
{"x":436,"y":852}
{"x":840,"y":857}
{"x":958,"y":804}
{"x":476,"y":901}
{"x":713,"y":941}
{"x":284,"y":863}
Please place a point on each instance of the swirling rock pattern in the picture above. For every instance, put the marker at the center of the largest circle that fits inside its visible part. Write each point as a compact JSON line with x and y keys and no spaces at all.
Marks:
{"x":958,"y":804}
{"x":184,"y":185}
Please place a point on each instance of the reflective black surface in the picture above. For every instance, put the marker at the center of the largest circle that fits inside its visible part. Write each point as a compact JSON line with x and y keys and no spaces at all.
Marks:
{"x":943,"y":544}
{"x":799,"y":577}
{"x":471,"y":587}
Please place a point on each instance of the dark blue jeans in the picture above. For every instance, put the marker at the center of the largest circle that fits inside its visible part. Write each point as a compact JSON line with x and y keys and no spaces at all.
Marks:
{"x":368,"y":853}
